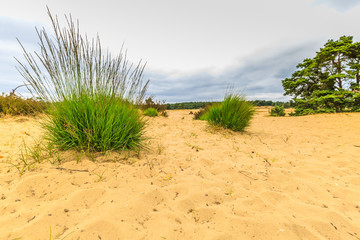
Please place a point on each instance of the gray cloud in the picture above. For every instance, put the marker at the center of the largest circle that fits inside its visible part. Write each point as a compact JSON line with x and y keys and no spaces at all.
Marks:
{"x":339,"y":5}
{"x":9,"y":77}
{"x":258,"y":78}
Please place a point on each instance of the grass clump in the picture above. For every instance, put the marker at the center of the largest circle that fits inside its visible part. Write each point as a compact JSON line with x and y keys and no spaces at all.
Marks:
{"x":277,"y":111}
{"x":95,"y":123}
{"x":233,"y":113}
{"x":92,"y":95}
{"x":151,"y":112}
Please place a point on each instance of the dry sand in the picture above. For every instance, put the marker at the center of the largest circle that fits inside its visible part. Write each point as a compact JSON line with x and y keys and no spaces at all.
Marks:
{"x":285,"y":178}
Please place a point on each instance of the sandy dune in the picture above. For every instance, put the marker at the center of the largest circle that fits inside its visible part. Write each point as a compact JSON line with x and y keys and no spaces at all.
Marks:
{"x":285,"y":178}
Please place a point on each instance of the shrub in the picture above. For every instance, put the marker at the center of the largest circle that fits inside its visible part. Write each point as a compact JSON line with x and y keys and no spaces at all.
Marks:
{"x":150,"y":103}
{"x":164,"y":114}
{"x":15,"y":105}
{"x":234,"y":113}
{"x":92,"y":95}
{"x":277,"y":111}
{"x":151,"y":112}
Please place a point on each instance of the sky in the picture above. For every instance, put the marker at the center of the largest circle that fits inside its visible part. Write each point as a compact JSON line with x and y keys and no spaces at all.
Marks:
{"x":195,"y":50}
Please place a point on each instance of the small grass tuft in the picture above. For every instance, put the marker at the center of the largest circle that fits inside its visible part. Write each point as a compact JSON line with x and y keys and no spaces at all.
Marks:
{"x":100,"y":176}
{"x":151,"y":112}
{"x":160,"y":148}
{"x":233,"y":113}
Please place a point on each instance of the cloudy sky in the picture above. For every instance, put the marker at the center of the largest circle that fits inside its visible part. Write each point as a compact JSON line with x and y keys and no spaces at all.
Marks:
{"x":195,"y":49}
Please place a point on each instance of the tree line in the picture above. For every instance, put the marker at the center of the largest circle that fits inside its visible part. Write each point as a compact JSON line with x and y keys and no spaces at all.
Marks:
{"x":198,"y":105}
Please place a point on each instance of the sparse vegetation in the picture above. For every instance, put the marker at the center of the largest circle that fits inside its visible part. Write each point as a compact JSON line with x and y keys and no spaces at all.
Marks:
{"x":14,"y":105}
{"x":28,"y":157}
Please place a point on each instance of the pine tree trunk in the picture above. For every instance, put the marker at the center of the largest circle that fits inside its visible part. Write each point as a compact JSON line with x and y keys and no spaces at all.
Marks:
{"x":338,"y":67}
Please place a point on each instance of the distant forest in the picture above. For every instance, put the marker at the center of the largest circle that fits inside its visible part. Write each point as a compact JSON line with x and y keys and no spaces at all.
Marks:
{"x":197,"y":105}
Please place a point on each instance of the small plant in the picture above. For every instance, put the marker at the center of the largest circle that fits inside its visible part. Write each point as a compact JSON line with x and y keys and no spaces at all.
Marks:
{"x":229,"y":192}
{"x":100,"y":175}
{"x":193,"y":134}
{"x":277,"y":111}
{"x":56,"y":158}
{"x":164,"y":114}
{"x":151,"y":112}
{"x":160,"y":148}
{"x":26,"y":160}
{"x":197,"y":148}
{"x":29,"y":156}
{"x":36,"y":152}
{"x":169,"y":177}
{"x":51,"y":237}
{"x":233,"y":113}
{"x":22,"y":165}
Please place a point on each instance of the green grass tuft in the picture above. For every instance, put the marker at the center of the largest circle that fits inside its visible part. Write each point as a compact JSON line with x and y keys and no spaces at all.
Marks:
{"x":95,"y":123}
{"x":151,"y":112}
{"x":233,"y":113}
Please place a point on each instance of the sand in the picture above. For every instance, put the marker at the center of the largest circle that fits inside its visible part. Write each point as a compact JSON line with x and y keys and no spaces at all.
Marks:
{"x":284,"y":178}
